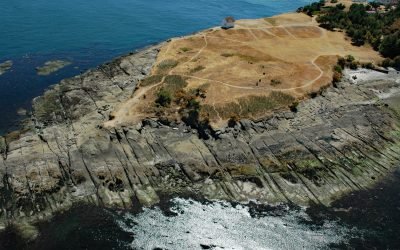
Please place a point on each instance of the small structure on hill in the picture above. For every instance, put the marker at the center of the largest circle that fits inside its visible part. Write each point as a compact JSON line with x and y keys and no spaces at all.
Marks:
{"x":228,"y":23}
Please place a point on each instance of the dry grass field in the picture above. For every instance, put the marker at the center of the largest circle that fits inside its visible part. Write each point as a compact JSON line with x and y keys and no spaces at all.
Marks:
{"x":346,"y":3}
{"x":249,"y":71}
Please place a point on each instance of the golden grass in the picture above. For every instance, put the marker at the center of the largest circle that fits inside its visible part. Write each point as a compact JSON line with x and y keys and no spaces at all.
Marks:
{"x":227,"y":54}
{"x":185,"y":49}
{"x":167,"y":64}
{"x":275,"y":82}
{"x":151,"y":80}
{"x":197,"y":69}
{"x":174,"y":83}
{"x":251,"y":106}
{"x":248,"y":58}
{"x":251,"y":70}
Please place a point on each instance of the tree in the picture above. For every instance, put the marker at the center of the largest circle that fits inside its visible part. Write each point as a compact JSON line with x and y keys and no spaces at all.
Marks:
{"x":387,"y":63}
{"x":164,"y":98}
{"x":396,"y":62}
{"x":338,"y":69}
{"x":233,"y":121}
{"x":341,"y":6}
{"x":336,"y":77}
{"x":342,"y":62}
{"x":350,"y":58}
{"x":390,"y":45}
{"x":381,"y":30}
{"x":374,"y":4}
{"x":358,"y":38}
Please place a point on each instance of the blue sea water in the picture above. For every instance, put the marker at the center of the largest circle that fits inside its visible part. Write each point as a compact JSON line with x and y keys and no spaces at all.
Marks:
{"x":88,"y":33}
{"x":365,"y":219}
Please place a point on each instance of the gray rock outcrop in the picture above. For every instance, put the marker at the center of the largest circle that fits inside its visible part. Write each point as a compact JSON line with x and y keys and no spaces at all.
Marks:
{"x":51,"y":66}
{"x":344,"y":140}
{"x":5,"y":66}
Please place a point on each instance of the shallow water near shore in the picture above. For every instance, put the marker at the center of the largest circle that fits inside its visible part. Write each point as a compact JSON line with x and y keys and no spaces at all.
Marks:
{"x":89,"y":33}
{"x":367,"y":219}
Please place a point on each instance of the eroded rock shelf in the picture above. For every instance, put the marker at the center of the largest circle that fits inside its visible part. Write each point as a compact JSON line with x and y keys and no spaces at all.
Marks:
{"x":344,"y":140}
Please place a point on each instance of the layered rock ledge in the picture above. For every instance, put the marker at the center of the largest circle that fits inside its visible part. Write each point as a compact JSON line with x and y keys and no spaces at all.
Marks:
{"x":346,"y":139}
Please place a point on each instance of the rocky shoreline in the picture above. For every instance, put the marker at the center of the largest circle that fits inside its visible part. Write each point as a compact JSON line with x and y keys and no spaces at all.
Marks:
{"x":345,"y":139}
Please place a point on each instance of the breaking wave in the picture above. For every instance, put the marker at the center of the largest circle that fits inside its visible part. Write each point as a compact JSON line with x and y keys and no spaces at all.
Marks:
{"x":221,"y":225}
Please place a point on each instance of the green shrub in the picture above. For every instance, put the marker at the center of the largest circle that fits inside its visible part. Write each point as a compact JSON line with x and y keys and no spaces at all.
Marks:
{"x":293,"y":106}
{"x":255,"y":105}
{"x":368,"y":65}
{"x":185,"y":49}
{"x":353,"y":65}
{"x":337,"y":77}
{"x":193,"y":104}
{"x":313,"y":8}
{"x":387,"y":63}
{"x":275,"y":82}
{"x":167,"y":64}
{"x":164,"y":97}
{"x":3,"y":145}
{"x":391,"y":62}
{"x":200,"y":91}
{"x":348,"y":62}
{"x":227,"y":54}
{"x":173,"y":83}
{"x":151,"y":80}
{"x":341,"y":6}
{"x":350,"y":58}
{"x":197,"y":69}
{"x":390,"y":45}
{"x":338,"y":68}
{"x":378,"y":29}
{"x":207,"y":111}
{"x":248,"y":58}
{"x":233,"y":121}
{"x":342,"y":62}
{"x":228,"y":110}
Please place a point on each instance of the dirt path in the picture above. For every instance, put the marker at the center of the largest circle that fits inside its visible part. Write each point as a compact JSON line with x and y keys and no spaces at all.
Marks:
{"x":269,"y":88}
{"x":127,"y":108}
{"x":255,"y":37}
{"x":139,"y":94}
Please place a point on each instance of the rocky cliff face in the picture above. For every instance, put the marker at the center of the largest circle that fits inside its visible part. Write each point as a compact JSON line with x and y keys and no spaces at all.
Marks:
{"x":344,"y":140}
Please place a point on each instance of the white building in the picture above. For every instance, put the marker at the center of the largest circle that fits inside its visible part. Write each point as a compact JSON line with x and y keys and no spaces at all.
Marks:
{"x":228,"y":22}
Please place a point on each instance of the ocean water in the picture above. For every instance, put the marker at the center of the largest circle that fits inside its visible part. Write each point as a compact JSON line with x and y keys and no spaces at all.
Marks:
{"x":366,"y":219}
{"x":89,"y":33}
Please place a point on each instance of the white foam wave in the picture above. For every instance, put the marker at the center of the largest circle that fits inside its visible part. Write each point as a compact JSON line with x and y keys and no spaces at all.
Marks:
{"x":222,"y":226}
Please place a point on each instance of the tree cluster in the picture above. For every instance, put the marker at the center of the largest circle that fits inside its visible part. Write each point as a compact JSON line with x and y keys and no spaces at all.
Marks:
{"x":313,"y":8}
{"x":364,"y":24}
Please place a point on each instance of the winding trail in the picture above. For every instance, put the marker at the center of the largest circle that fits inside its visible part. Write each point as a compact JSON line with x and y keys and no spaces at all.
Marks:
{"x":255,"y":37}
{"x":269,"y":88}
{"x":141,"y":92}
{"x":253,"y":88}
